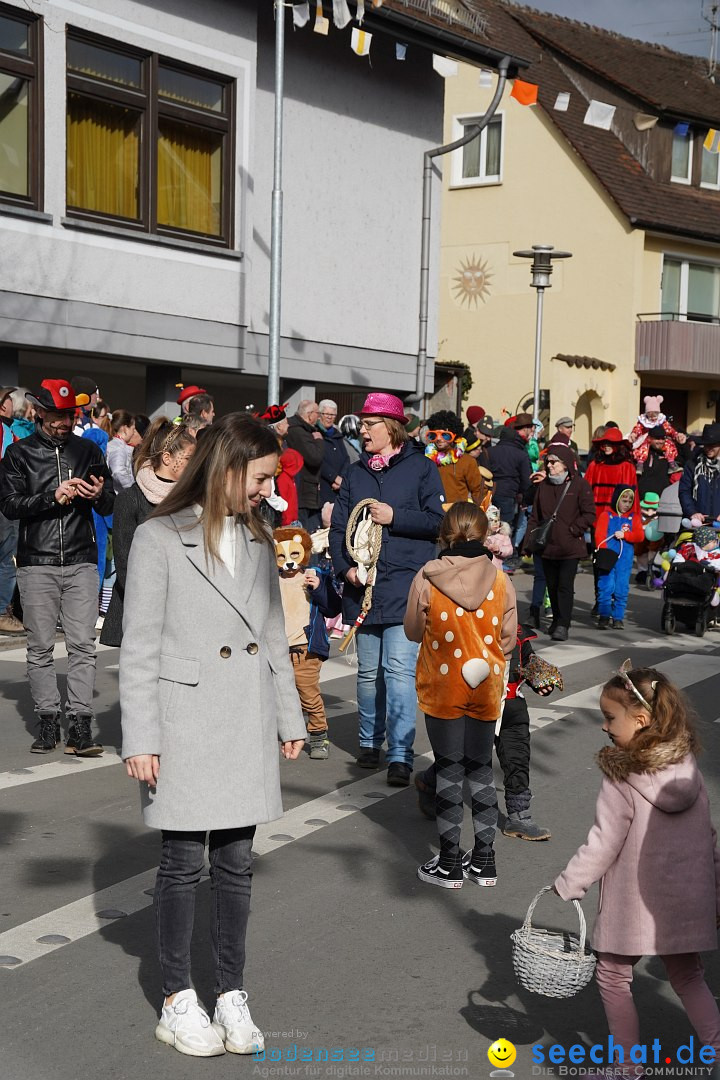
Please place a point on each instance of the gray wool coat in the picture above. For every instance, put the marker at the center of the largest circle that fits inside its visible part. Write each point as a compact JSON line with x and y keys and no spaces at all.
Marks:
{"x":206,"y":680}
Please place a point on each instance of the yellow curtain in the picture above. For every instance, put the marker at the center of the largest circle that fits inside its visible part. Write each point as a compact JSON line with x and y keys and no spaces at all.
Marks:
{"x":189,"y":178}
{"x":103,"y":157}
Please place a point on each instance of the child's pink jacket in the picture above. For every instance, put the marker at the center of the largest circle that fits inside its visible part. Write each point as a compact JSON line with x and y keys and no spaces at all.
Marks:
{"x":653,"y":849}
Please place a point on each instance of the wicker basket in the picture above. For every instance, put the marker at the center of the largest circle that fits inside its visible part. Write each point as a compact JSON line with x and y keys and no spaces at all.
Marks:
{"x":553,"y":963}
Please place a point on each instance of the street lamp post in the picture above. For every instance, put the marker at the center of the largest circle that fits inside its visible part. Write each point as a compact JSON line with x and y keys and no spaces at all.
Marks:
{"x":542,"y":256}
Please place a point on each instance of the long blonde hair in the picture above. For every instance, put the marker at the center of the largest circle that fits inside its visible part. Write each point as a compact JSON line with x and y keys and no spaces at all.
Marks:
{"x":228,"y":446}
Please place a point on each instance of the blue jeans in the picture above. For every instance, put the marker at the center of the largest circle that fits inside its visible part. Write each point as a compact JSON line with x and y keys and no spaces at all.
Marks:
{"x":387,"y":701}
{"x":508,"y":507}
{"x":8,"y":547}
{"x":181,"y":864}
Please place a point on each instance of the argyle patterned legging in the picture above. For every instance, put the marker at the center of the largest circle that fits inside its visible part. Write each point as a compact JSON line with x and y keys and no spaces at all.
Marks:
{"x":463,"y":750}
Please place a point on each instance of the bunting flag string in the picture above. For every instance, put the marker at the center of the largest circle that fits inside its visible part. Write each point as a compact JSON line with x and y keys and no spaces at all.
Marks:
{"x":712,"y":141}
{"x":400,"y":50}
{"x":599,"y":114}
{"x":644,"y":121}
{"x":360,"y":12}
{"x":444,"y":66}
{"x":360,"y":42}
{"x":341,"y":14}
{"x":486,"y":79}
{"x":562,"y":101}
{"x":524,"y":92}
{"x":322,"y":25}
{"x":301,"y":15}
{"x":681,"y":129}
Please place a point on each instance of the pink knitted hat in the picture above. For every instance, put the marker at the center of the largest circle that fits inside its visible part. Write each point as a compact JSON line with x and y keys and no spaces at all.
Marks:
{"x":652,"y":404}
{"x":386,"y":405}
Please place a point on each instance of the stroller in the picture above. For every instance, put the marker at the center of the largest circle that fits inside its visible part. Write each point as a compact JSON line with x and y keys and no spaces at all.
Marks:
{"x":687,"y":593}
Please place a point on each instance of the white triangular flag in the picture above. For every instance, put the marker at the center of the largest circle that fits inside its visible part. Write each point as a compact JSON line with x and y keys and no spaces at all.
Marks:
{"x":400,"y":50}
{"x":485,"y":80}
{"x":322,"y":25}
{"x":644,"y":121}
{"x":599,"y":114}
{"x":562,"y":101}
{"x":360,"y":42}
{"x":360,"y":12}
{"x":444,"y":66}
{"x":341,"y":13}
{"x":301,"y":15}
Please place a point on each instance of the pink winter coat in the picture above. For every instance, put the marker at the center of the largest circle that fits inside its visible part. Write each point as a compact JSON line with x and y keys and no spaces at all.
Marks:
{"x":653,"y":849}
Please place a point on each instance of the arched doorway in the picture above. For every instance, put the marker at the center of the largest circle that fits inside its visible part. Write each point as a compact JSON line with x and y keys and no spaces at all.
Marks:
{"x":588,"y":416}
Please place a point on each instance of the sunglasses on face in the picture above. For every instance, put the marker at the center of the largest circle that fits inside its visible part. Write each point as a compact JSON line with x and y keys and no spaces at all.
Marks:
{"x":554,"y":461}
{"x":446,"y":436}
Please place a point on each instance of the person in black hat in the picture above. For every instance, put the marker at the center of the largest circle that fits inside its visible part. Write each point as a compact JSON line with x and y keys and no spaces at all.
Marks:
{"x":50,"y":482}
{"x":700,"y":482}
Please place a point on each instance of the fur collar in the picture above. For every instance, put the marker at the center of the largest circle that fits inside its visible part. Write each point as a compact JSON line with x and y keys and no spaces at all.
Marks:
{"x":618,"y":762}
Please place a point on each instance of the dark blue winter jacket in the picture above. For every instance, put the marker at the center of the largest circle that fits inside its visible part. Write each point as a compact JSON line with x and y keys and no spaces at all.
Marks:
{"x":324,"y":603}
{"x":701,"y":496}
{"x":411,"y":485}
{"x":510,"y":466}
{"x":335,"y":463}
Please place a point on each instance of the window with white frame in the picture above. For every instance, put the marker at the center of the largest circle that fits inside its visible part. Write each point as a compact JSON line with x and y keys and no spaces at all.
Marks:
{"x":681,"y":166}
{"x":480,"y":161}
{"x":690,"y":290}
{"x":710,"y":170}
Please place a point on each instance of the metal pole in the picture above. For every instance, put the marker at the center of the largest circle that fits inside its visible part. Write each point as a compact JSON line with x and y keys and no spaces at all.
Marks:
{"x":273,"y":389}
{"x":538,"y":351}
{"x":473,"y":133}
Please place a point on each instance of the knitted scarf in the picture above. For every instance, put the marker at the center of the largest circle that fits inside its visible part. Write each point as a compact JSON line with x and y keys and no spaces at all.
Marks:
{"x":446,"y":457}
{"x":705,"y":469}
{"x":153,"y":487}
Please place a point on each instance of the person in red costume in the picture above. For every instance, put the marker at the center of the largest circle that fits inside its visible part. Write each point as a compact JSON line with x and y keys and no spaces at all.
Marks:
{"x":651,"y":418}
{"x":611,"y":464}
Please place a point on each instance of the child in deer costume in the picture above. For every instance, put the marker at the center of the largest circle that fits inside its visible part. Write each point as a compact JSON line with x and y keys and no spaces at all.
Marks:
{"x":462,"y":610}
{"x":646,"y":421}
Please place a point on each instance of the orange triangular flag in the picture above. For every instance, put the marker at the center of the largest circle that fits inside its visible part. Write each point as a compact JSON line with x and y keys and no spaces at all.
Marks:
{"x":524,"y":92}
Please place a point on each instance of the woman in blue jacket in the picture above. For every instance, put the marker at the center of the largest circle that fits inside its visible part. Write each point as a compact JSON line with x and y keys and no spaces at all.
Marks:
{"x":395,"y":471}
{"x":700,"y":481}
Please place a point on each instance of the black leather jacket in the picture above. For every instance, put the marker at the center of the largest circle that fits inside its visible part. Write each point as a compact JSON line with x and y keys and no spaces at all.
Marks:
{"x":30,"y":472}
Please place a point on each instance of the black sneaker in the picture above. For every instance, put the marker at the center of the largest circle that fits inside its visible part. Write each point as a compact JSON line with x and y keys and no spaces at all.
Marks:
{"x":480,"y":868}
{"x":368,"y":758}
{"x":80,"y":740}
{"x":433,"y":874}
{"x":641,"y":577}
{"x":398,"y":774}
{"x":426,"y":798}
{"x":48,"y":733}
{"x":603,"y":622}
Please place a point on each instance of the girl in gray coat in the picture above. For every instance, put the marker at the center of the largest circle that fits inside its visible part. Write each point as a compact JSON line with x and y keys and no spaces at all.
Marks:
{"x":207,"y":692}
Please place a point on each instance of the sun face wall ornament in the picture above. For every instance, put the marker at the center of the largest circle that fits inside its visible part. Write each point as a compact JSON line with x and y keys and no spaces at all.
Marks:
{"x":471,"y":282}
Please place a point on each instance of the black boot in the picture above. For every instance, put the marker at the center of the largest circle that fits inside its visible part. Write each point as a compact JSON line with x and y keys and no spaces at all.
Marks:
{"x":534,"y":616}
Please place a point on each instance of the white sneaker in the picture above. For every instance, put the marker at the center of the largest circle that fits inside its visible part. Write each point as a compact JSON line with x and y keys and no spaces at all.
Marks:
{"x":234,"y":1024}
{"x":186,"y":1026}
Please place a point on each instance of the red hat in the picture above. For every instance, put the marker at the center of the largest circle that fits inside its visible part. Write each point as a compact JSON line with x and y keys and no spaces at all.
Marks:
{"x":475,"y":413}
{"x":188,"y":392}
{"x":57,"y":394}
{"x":272,"y":415}
{"x":386,"y":405}
{"x":611,"y":435}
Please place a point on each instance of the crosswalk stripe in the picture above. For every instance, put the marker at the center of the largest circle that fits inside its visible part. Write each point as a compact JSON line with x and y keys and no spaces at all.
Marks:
{"x":37,"y":937}
{"x":681,"y":670}
{"x":68,"y":765}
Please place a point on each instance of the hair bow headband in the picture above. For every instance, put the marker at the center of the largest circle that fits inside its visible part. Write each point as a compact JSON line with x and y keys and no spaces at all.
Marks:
{"x":623,"y":673}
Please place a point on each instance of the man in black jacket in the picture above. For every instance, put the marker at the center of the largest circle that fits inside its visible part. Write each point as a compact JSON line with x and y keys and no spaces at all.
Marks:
{"x":309,"y":442}
{"x":50,"y":482}
{"x":511,"y":468}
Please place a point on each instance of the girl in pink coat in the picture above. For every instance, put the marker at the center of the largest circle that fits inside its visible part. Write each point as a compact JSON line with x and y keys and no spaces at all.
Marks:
{"x":653,"y":849}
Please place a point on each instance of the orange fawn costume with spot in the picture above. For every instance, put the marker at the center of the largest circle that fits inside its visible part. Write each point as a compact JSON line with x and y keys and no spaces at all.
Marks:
{"x":463,"y":611}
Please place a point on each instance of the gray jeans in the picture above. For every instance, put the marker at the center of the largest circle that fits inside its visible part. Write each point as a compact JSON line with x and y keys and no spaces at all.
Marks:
{"x":72,"y":593}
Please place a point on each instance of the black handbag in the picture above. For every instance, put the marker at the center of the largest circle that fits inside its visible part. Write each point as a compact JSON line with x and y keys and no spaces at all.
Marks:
{"x":604,"y":558}
{"x":540,"y":536}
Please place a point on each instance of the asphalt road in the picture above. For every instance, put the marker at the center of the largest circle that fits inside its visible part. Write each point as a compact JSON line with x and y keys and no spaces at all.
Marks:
{"x":348,"y":953}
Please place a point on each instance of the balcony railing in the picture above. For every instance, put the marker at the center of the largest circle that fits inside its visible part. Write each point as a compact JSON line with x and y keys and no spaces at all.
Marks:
{"x":678,"y":344}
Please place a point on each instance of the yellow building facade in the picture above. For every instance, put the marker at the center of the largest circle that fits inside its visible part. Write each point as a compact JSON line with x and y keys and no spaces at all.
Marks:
{"x":524,"y":184}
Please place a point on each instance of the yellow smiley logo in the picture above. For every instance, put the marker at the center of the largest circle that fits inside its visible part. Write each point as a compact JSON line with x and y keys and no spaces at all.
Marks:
{"x":502,"y":1053}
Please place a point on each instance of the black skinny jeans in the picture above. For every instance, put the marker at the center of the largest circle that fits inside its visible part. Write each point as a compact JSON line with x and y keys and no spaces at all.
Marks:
{"x":181,"y":864}
{"x":560,"y":578}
